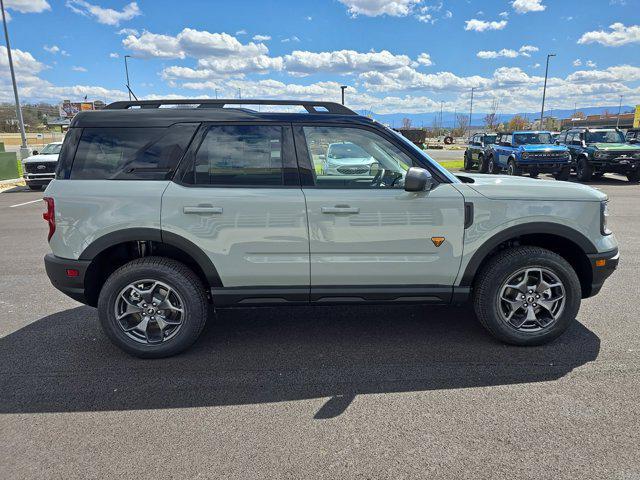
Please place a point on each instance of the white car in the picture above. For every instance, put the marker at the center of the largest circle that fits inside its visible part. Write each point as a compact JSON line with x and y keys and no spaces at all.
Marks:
{"x":40,"y":168}
{"x":346,"y":159}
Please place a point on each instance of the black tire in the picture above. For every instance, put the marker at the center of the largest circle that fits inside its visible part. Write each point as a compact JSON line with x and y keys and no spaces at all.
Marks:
{"x":634,"y":176}
{"x":507,"y":263}
{"x":468,"y":163}
{"x":534,"y":173}
{"x":563,"y":174}
{"x":513,"y":168}
{"x":598,"y":174}
{"x":177,"y":276}
{"x":492,"y":167}
{"x":34,"y":187}
{"x":482,"y":165}
{"x":584,"y":171}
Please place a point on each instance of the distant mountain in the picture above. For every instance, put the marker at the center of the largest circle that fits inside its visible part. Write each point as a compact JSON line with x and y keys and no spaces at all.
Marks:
{"x":419,"y":120}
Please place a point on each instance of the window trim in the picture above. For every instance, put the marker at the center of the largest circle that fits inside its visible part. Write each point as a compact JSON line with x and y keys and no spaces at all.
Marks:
{"x":305,"y":165}
{"x":290,"y":173}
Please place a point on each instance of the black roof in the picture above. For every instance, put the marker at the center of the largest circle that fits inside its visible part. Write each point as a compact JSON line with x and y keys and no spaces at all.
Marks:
{"x":148,"y":113}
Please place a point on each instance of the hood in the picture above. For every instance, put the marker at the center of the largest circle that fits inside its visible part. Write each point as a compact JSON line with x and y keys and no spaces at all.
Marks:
{"x":351,"y":161}
{"x":543,"y":148}
{"x":505,"y":187}
{"x":41,"y":158}
{"x":615,"y":146}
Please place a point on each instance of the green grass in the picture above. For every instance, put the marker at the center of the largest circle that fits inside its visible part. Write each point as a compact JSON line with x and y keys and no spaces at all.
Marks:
{"x":453,"y":164}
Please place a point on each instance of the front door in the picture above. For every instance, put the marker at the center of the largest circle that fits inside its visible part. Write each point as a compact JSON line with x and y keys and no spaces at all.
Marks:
{"x":368,"y":236}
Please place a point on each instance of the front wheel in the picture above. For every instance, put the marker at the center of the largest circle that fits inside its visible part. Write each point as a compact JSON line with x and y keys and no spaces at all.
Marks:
{"x":527,"y":295}
{"x":584,"y":172}
{"x":153,"y":307}
{"x":468,"y":162}
{"x":493,"y":168}
{"x":513,"y":169}
{"x":482,"y":166}
{"x":563,"y":174}
{"x":634,"y":176}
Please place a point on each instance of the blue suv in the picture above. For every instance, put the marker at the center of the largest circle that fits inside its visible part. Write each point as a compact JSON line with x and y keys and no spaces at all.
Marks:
{"x":530,"y":152}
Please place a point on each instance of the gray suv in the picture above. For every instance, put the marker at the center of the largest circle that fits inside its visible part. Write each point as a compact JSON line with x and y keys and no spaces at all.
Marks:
{"x":157,"y":214}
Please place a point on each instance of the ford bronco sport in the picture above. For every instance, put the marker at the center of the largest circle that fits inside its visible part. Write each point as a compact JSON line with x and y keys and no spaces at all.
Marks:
{"x":531,"y":152}
{"x":156,"y":214}
{"x":601,"y":150}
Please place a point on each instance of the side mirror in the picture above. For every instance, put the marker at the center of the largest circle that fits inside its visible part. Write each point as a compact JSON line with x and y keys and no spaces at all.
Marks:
{"x":418,"y":180}
{"x":35,"y":152}
{"x":583,"y":143}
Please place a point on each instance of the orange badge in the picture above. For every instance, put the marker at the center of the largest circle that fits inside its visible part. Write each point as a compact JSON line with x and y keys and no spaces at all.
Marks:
{"x":437,"y":241}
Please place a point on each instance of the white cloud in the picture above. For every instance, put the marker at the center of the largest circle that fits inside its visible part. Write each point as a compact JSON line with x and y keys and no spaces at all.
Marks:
{"x":127,"y":31}
{"x":618,"y":35}
{"x":23,"y":62}
{"x":107,"y":16}
{"x":53,"y":49}
{"x":153,"y":45}
{"x":114,"y":55}
{"x":620,"y":73}
{"x":290,"y":39}
{"x":591,"y":64}
{"x":76,"y":68}
{"x":481,"y":25}
{"x":375,"y":8}
{"x":241,"y":32}
{"x":503,"y":14}
{"x":27,"y":6}
{"x":577,"y":62}
{"x":261,"y":38}
{"x":342,"y":61}
{"x":526,"y":6}
{"x":424,"y":59}
{"x":524,"y":51}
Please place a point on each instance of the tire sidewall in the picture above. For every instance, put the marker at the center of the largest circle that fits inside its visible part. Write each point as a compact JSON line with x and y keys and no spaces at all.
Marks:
{"x":126,"y":275}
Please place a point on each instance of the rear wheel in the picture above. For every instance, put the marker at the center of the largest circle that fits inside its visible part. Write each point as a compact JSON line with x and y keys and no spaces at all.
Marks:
{"x":563,"y":174}
{"x":153,"y":307}
{"x":513,"y":169}
{"x":584,"y":171}
{"x":633,"y":176}
{"x":527,"y":295}
{"x":468,"y":162}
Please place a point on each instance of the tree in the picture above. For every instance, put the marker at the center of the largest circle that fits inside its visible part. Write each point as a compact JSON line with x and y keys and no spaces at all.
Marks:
{"x":579,"y":114}
{"x":406,"y":122}
{"x":491,"y":118}
{"x":462,"y":122}
{"x":517,"y":122}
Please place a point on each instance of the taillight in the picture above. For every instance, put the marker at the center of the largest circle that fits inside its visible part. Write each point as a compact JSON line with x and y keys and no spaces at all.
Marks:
{"x":50,"y":216}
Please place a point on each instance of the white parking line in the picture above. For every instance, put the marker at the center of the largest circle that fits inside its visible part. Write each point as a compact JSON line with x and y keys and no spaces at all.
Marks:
{"x":25,"y":203}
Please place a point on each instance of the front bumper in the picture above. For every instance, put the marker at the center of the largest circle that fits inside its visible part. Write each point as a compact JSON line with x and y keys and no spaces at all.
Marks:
{"x":38,"y":178}
{"x":58,"y":272}
{"x":602,"y":266}
{"x":543,"y":167}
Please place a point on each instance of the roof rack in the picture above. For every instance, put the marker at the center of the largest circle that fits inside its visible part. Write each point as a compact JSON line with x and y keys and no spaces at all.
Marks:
{"x":309,"y":106}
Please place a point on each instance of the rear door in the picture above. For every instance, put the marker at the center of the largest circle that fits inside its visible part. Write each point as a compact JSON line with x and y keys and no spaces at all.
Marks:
{"x":237,"y":196}
{"x":368,"y":236}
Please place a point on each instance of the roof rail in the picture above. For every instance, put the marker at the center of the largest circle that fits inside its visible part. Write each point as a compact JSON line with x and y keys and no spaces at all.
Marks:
{"x":309,"y":106}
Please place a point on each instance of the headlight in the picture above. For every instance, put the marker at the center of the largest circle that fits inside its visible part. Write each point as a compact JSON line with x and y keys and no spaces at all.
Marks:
{"x":600,"y":154}
{"x":604,"y":218}
{"x":525,"y":154}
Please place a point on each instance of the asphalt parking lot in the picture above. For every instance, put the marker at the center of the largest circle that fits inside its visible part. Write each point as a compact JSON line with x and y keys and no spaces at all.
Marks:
{"x":330,"y":392}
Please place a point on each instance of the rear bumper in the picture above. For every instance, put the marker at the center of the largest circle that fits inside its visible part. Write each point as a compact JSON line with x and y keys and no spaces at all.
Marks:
{"x":600,"y":272}
{"x":57,"y":270}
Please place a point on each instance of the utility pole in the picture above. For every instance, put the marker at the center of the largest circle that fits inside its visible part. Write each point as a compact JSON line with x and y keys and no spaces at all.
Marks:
{"x":471,"y":109}
{"x":342,"y":89}
{"x":24,"y":149}
{"x":619,"y":108}
{"x":544,"y":90}
{"x":126,"y":70}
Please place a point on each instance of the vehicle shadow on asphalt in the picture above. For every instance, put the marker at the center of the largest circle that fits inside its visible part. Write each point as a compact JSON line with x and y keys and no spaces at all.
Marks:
{"x":63,"y":362}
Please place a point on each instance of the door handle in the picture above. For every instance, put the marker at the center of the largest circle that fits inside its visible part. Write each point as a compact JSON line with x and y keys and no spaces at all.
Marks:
{"x":340,"y":209}
{"x":202,"y":209}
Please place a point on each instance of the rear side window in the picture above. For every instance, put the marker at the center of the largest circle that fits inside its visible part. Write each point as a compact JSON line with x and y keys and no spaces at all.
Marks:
{"x":131,"y":153}
{"x":239,"y":155}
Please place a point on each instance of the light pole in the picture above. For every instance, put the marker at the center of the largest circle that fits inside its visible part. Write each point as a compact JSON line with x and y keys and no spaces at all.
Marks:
{"x":619,"y":108}
{"x":342,"y":89}
{"x":471,"y":109}
{"x":126,"y":69}
{"x":544,"y":90}
{"x":24,"y":149}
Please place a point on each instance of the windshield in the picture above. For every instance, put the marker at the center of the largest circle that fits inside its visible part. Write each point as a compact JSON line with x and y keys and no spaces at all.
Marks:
{"x":346,"y":150}
{"x":490,"y":139}
{"x":424,"y":157}
{"x":605,"y":136}
{"x":532,"y":138}
{"x":51,"y":149}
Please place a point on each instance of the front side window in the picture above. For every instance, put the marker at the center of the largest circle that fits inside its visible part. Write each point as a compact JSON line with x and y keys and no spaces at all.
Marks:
{"x":130,"y":153}
{"x":605,"y":136}
{"x":490,"y":139}
{"x":562,"y":137}
{"x":344,"y":157}
{"x":532,"y":138}
{"x":239,"y":155}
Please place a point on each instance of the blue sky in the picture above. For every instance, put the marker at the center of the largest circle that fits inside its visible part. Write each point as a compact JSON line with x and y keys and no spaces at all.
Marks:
{"x":395,"y":55}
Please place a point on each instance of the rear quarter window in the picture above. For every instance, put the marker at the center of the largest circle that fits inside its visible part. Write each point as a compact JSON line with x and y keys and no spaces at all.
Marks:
{"x":130,"y":153}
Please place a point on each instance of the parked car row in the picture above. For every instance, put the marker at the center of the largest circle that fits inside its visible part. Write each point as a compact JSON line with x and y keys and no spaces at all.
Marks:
{"x":590,"y":152}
